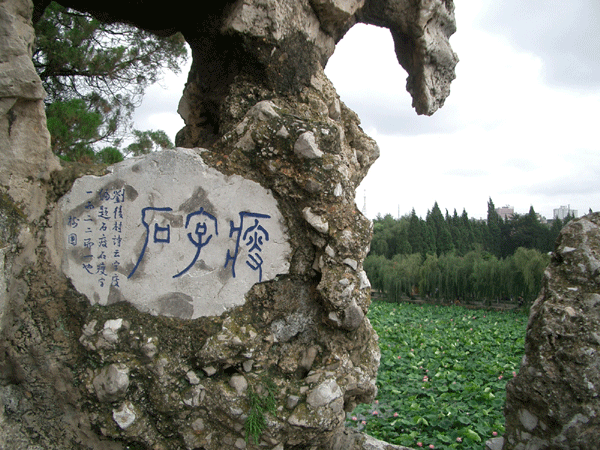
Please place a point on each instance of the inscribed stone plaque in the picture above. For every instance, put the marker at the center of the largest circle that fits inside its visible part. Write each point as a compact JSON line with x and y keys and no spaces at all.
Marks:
{"x":170,"y":235}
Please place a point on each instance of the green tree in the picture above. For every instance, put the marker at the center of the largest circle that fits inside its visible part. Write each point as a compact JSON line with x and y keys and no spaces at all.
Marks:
{"x":148,"y":141}
{"x":379,"y":244}
{"x":109,"y":155}
{"x":73,"y":128}
{"x":529,"y":267}
{"x":555,"y":228}
{"x":468,"y":269}
{"x":383,"y":238}
{"x":431,"y":277}
{"x":466,"y":233}
{"x":494,"y":225}
{"x":107,"y":66}
{"x":440,"y":229}
{"x":416,"y":234}
{"x":374,"y":266}
{"x":525,"y":231}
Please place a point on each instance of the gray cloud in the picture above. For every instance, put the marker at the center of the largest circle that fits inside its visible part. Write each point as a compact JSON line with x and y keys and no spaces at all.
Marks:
{"x":566,"y":35}
{"x":567,"y":185}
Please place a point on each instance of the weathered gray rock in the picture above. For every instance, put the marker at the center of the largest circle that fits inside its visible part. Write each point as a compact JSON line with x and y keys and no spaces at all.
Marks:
{"x":494,"y":444}
{"x":350,"y":439}
{"x":111,"y":383}
{"x":24,"y":139}
{"x":306,"y":146}
{"x":315,"y":221}
{"x":192,"y":377}
{"x":298,"y":334}
{"x":239,"y":383}
{"x":18,"y":78}
{"x":125,"y":415}
{"x":554,"y":400}
{"x":170,"y":235}
{"x":421,"y":32}
{"x":291,"y":40}
{"x":324,"y":394}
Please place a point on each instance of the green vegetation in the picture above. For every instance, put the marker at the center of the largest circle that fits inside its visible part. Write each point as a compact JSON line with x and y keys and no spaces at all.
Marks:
{"x":449,"y":258}
{"x":261,"y":400}
{"x":442,"y":376}
{"x":95,"y":74}
{"x":441,"y":234}
{"x":476,"y":276}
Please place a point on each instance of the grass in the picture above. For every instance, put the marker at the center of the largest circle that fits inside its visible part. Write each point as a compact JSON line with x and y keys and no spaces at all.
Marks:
{"x":442,"y":376}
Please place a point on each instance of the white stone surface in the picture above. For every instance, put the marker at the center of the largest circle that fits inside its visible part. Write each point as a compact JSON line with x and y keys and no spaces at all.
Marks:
{"x":111,"y":383}
{"x":306,"y":146}
{"x":315,"y":221}
{"x":238,"y":383}
{"x":324,"y":394}
{"x":364,"y":280}
{"x":192,"y":377}
{"x":170,"y":235}
{"x":125,"y":415}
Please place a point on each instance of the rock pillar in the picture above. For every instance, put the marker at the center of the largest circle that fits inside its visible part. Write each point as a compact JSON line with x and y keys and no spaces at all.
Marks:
{"x":213,"y":296}
{"x":553,"y":403}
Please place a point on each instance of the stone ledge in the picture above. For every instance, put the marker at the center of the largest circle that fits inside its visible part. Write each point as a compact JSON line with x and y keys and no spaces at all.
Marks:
{"x":349,"y":439}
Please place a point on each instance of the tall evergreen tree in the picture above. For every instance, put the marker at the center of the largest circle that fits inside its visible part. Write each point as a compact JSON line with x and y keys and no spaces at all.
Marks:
{"x":467,"y":235}
{"x":494,"y":226}
{"x":104,"y":66}
{"x":555,"y":228}
{"x":441,"y":231}
{"x":416,"y":234}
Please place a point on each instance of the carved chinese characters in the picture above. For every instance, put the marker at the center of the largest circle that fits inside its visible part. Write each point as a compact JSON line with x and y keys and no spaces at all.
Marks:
{"x":97,"y":232}
{"x":170,"y":235}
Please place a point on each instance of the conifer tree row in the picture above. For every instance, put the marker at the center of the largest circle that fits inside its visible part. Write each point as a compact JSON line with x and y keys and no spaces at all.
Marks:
{"x":453,"y":257}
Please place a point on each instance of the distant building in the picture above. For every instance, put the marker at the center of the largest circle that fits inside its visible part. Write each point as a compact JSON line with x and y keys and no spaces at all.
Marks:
{"x":564,"y":211}
{"x":506,"y":212}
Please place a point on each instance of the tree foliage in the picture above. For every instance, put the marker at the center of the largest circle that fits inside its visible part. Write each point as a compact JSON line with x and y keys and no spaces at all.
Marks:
{"x":453,"y":257}
{"x":73,"y":127}
{"x":148,"y":141}
{"x":95,"y":74}
{"x":476,"y":276}
{"x":441,"y":234}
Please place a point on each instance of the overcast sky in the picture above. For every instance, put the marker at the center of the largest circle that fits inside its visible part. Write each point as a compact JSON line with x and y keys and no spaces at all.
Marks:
{"x":519,"y":126}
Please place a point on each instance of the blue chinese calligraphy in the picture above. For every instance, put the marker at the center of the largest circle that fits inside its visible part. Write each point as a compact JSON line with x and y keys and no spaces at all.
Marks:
{"x":202,"y":233}
{"x":191,"y":238}
{"x":97,"y":233}
{"x":72,"y":221}
{"x":161,"y":234}
{"x":252,"y":237}
{"x":202,"y":227}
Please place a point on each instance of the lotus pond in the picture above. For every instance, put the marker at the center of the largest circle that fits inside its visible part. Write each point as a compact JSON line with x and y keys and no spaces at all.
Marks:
{"x":442,"y":376}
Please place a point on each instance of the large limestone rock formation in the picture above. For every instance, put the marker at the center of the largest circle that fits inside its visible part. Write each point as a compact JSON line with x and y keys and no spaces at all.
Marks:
{"x":103,"y":364}
{"x":553,"y":403}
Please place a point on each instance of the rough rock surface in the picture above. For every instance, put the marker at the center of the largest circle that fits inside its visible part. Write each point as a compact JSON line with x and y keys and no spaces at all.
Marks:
{"x":554,"y":403}
{"x":297,"y":351}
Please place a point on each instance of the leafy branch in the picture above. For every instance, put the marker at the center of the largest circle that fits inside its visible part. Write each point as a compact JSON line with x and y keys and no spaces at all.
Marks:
{"x":259,"y":404}
{"x":95,"y":74}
